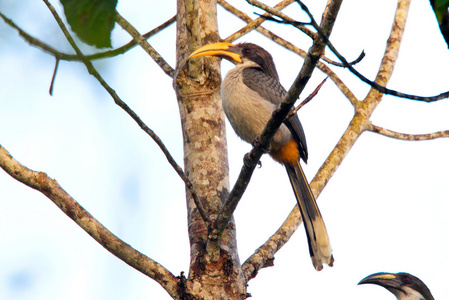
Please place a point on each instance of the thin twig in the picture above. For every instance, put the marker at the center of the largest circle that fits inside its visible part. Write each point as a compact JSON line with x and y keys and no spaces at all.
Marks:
{"x":30,"y":39}
{"x":130,"y":112}
{"x":326,"y":59}
{"x":50,"y":188}
{"x":339,"y":64}
{"x":274,"y":11}
{"x":145,"y":45}
{"x":52,"y":83}
{"x":73,"y":57}
{"x":346,"y":64}
{"x":307,"y":100}
{"x":407,"y":136}
{"x":254,"y":24}
{"x":289,"y":46}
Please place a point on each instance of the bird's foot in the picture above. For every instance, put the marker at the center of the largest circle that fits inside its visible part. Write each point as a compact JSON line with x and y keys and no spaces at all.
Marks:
{"x":257,"y":144}
{"x":247,"y":160}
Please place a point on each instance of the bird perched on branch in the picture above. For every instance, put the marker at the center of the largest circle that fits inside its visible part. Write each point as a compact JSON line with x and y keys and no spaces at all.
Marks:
{"x":251,"y":91}
{"x":403,"y":285}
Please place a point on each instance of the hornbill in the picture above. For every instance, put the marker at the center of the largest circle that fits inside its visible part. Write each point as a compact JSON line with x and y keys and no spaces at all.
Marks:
{"x":403,"y":285}
{"x":251,"y":91}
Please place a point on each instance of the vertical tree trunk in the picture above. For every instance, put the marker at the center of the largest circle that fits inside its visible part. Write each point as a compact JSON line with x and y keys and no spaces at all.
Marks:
{"x":215,"y":271}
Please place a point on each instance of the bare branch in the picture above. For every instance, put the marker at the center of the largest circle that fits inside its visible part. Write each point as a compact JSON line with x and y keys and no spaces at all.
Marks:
{"x":307,"y":100}
{"x":407,"y":136}
{"x":31,"y":40}
{"x":50,"y":188}
{"x":52,"y":84}
{"x":338,"y":64}
{"x":289,"y":46}
{"x":374,"y":84}
{"x":254,"y":24}
{"x":275,"y":11}
{"x":361,"y":122}
{"x":130,"y":112}
{"x":145,"y":45}
{"x":264,"y":255}
{"x":73,"y":57}
{"x":326,"y":59}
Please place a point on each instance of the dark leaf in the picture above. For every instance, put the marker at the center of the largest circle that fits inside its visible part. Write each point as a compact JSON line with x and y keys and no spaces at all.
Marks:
{"x":441,"y":9}
{"x":91,"y":20}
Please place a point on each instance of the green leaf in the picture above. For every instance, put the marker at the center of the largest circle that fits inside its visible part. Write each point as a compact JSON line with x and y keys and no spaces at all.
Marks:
{"x":440,"y":7}
{"x":91,"y":20}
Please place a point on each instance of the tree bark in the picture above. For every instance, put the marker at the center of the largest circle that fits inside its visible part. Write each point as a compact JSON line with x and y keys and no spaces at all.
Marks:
{"x":215,"y":271}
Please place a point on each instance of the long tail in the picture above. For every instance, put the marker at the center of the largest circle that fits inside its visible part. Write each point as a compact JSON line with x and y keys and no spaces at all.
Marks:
{"x":319,"y":246}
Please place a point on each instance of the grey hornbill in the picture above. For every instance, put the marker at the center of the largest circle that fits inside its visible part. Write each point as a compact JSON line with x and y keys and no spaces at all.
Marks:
{"x":251,"y":91}
{"x":403,"y":285}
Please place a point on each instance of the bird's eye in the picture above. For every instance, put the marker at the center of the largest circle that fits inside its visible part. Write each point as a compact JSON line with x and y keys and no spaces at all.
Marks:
{"x":246,"y":51}
{"x":406,"y":279}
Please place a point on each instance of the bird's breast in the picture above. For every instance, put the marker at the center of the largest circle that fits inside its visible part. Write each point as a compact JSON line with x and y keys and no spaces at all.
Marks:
{"x":247,"y":111}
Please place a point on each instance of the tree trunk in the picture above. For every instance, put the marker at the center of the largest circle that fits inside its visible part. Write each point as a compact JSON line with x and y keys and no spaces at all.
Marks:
{"x":215,"y":271}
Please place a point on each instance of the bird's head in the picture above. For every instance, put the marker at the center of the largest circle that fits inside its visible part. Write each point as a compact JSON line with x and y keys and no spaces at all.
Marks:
{"x":402,"y":285}
{"x":240,"y":54}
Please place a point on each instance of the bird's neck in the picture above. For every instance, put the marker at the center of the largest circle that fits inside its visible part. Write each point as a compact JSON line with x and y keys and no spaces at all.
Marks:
{"x":410,"y":294}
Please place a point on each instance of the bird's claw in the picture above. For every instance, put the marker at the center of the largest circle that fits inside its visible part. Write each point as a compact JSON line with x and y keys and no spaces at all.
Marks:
{"x":257,"y":144}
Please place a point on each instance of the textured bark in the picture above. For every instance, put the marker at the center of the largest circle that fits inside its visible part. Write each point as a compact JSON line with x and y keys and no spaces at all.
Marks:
{"x":215,"y":271}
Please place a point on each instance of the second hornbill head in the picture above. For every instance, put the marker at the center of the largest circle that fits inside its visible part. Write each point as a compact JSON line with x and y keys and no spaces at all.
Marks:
{"x":240,"y":54}
{"x":402,"y":285}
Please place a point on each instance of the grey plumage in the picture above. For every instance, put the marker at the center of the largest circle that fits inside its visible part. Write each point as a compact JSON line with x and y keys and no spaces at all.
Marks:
{"x":247,"y":111}
{"x":248,"y":108}
{"x":271,"y":89}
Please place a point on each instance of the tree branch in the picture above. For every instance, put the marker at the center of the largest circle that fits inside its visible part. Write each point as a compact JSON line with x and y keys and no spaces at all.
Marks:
{"x":50,"y":188}
{"x":73,"y":57}
{"x":145,"y":45}
{"x":307,"y":100}
{"x":254,"y":24}
{"x":289,"y":46}
{"x":361,"y":122}
{"x":264,"y":255}
{"x":130,"y":112}
{"x":275,"y":11}
{"x":357,"y":126}
{"x":374,"y":84}
{"x":338,"y":64}
{"x":52,"y":83}
{"x":407,"y":136}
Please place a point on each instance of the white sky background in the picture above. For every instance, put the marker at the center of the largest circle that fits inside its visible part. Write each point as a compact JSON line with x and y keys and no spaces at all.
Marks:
{"x":385,"y":208}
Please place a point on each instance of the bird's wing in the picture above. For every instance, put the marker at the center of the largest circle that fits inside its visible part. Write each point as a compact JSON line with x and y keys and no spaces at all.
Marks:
{"x":272,"y":90}
{"x":266,"y":86}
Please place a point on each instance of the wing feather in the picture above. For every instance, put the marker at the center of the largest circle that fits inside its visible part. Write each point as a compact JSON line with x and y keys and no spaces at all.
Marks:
{"x":273,"y":91}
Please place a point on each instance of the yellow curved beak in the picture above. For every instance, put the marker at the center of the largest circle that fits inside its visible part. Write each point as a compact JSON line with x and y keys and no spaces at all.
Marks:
{"x":218,"y":49}
{"x":384,"y":276}
{"x":378,"y":278}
